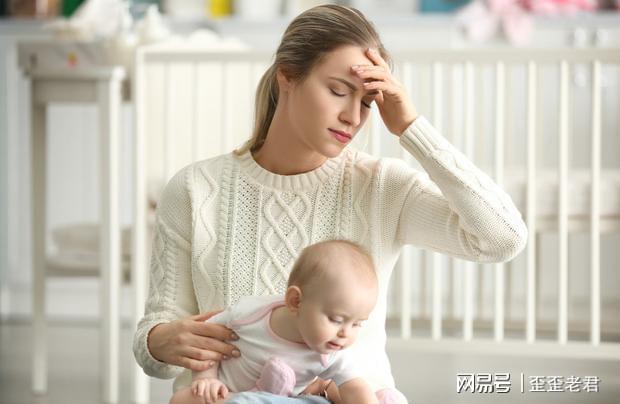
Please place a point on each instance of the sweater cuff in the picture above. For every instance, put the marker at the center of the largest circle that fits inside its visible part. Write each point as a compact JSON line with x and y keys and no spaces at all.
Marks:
{"x":421,"y":139}
{"x":151,"y":365}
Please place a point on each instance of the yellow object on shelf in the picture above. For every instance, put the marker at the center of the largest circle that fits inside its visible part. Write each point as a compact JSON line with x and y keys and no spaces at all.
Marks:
{"x":219,"y":8}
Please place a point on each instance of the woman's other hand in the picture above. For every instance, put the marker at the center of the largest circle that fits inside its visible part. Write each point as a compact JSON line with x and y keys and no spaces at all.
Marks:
{"x":394,"y":105}
{"x":191,"y":342}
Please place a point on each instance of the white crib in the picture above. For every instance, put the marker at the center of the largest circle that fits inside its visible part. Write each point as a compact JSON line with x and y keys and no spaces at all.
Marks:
{"x":503,"y":108}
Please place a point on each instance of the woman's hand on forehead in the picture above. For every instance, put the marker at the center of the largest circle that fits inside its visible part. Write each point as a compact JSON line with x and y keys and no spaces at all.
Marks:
{"x":394,"y":105}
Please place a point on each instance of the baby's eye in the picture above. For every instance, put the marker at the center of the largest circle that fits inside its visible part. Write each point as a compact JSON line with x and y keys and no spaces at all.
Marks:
{"x":358,"y":324}
{"x":335,"y":320}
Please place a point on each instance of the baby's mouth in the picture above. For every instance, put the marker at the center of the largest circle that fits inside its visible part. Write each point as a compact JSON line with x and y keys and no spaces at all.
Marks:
{"x":334,"y":346}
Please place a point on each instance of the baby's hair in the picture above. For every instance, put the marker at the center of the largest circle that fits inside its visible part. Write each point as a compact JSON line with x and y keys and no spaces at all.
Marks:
{"x":314,"y":262}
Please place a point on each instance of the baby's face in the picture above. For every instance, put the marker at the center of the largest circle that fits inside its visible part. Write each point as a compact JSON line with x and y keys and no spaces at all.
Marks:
{"x":332,"y":314}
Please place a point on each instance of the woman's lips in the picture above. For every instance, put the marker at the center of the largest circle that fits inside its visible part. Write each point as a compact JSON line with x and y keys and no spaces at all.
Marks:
{"x":342,"y":137}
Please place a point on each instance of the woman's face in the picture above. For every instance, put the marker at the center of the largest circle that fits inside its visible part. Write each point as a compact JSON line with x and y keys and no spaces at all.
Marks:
{"x":327,"y":109}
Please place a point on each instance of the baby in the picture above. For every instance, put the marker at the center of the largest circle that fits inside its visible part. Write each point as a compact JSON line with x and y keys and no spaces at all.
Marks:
{"x":288,"y":341}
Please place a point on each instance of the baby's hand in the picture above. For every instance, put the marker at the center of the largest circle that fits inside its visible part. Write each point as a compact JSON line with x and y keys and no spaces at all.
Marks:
{"x":211,"y":389}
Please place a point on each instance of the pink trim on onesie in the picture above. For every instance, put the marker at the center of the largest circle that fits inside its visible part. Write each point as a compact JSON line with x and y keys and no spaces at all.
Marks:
{"x":257,"y":315}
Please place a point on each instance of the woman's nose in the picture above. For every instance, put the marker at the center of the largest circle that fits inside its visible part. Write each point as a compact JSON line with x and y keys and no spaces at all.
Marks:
{"x":351,"y":115}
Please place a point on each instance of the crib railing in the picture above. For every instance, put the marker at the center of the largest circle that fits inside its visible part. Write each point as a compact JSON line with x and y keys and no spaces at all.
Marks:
{"x":194,"y":104}
{"x":565,"y":60}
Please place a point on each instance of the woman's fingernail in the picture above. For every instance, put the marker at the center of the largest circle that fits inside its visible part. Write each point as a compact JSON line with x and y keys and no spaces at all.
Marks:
{"x":224,"y":357}
{"x":210,"y":363}
{"x":234,"y":336}
{"x":236,"y":353}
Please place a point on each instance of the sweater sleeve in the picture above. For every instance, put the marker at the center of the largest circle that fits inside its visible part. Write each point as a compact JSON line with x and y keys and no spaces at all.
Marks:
{"x":453,"y":208}
{"x":171,"y":294}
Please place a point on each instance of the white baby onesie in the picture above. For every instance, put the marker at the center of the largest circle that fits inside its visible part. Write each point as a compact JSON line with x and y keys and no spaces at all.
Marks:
{"x":249,"y":318}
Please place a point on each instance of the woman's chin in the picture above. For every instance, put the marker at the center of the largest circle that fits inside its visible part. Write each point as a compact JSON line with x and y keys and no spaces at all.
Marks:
{"x":332,"y":151}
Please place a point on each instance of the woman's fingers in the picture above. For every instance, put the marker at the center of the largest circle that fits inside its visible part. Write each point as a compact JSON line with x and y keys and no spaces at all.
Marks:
{"x":205,"y":316}
{"x":194,"y":364}
{"x":394,"y":105}
{"x":376,"y":58}
{"x":377,"y":78}
{"x":217,"y":348}
{"x":212,"y":330}
{"x":191,"y":343}
{"x":201,"y":354}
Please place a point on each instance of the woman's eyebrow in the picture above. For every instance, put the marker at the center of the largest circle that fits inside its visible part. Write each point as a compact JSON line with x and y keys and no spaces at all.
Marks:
{"x":351,"y":85}
{"x":346,"y":82}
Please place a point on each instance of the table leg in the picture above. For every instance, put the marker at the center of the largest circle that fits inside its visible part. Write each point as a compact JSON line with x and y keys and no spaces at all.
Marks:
{"x":109,"y":107}
{"x":39,"y":232}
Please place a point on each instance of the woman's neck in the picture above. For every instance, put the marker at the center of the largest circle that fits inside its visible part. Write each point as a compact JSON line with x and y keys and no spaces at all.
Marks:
{"x":284,"y":325}
{"x":284,"y":154}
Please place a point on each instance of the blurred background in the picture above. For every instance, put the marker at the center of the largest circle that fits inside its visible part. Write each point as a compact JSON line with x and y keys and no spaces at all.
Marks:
{"x":181,"y":50}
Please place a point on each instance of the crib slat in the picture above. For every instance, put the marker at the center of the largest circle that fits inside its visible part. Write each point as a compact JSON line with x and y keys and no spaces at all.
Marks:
{"x":226,"y":111}
{"x":468,"y":329}
{"x":405,"y":293}
{"x":436,"y":321}
{"x":438,"y":104}
{"x":139,"y":285}
{"x":499,"y":179}
{"x":406,"y":259}
{"x":563,"y":207}
{"x":530,"y":328}
{"x":169,"y":112}
{"x":456,"y":295}
{"x":194,"y":103}
{"x":595,"y":281}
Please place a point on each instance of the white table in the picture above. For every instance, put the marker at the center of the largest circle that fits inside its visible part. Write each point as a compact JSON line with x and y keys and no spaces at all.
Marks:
{"x":101,"y":85}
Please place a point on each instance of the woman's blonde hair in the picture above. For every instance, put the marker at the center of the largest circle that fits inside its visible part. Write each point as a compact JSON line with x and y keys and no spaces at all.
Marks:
{"x":306,"y":41}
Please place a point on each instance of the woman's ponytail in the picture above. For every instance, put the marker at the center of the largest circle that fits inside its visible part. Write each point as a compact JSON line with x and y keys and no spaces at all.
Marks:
{"x":266,"y":101}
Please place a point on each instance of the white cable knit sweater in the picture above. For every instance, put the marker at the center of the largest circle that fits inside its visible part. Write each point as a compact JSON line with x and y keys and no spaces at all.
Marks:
{"x":227,"y":228}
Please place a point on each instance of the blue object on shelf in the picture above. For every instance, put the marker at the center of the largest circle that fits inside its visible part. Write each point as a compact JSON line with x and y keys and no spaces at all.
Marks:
{"x":441,"y":6}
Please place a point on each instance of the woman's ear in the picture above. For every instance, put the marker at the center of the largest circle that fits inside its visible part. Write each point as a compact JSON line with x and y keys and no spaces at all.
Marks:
{"x":292,"y":299}
{"x":284,"y":83}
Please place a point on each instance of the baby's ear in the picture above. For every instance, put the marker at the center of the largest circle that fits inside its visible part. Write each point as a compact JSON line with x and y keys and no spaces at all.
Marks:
{"x":292,"y":298}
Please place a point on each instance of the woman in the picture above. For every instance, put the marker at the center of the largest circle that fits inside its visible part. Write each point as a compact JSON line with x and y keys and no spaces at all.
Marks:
{"x":232,"y":225}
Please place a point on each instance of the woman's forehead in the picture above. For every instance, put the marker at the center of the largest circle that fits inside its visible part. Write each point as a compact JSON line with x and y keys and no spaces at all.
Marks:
{"x":340,"y":60}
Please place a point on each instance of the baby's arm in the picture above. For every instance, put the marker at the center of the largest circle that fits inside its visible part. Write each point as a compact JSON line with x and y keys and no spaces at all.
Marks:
{"x":356,"y":391}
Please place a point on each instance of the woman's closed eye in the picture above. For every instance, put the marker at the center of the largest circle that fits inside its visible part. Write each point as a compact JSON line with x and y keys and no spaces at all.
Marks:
{"x":364,"y":103}
{"x":337,"y":94}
